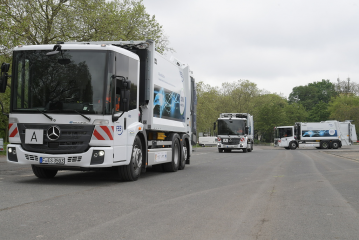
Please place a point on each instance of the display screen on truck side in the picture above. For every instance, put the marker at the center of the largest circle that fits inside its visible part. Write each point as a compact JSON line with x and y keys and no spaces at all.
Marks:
{"x":67,"y":82}
{"x":231,"y":127}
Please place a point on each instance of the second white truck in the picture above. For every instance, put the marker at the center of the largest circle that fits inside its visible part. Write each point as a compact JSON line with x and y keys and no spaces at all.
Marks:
{"x":235,"y":132}
{"x":324,"y":135}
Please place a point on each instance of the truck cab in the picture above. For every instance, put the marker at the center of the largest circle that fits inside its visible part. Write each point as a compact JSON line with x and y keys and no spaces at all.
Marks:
{"x":284,"y":137}
{"x":235,"y":132}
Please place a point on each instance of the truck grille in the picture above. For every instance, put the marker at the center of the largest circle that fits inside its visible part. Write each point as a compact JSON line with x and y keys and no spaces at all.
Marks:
{"x":231,"y":141}
{"x":73,"y":138}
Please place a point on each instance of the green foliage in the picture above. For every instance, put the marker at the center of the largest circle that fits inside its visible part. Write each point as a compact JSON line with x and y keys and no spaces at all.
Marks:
{"x":313,"y":93}
{"x":268,"y":112}
{"x":319,"y":112}
{"x":207,"y":99}
{"x":345,"y":107}
{"x":295,"y":112}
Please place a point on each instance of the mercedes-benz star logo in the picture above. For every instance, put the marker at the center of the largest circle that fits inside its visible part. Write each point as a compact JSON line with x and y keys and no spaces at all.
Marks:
{"x":53,"y":133}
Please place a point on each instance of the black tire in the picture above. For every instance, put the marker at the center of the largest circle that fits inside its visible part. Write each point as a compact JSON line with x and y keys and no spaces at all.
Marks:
{"x":43,"y":172}
{"x":251,"y":148}
{"x":227,"y":150}
{"x":220,"y":150}
{"x":245,"y":150}
{"x":324,"y":144}
{"x":292,"y":145}
{"x":335,"y":145}
{"x":184,"y":156}
{"x":132,"y":171}
{"x":176,"y":155}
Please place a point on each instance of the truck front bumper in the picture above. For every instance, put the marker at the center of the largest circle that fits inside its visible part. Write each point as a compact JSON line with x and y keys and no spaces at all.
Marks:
{"x":239,"y":146}
{"x":95,"y":157}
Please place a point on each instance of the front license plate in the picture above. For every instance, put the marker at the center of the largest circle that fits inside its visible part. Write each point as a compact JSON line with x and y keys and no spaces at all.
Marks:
{"x":231,"y":146}
{"x":34,"y":136}
{"x":49,"y":160}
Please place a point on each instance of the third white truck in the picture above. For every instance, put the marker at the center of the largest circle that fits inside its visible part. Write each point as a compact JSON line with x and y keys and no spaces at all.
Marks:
{"x":326,"y":134}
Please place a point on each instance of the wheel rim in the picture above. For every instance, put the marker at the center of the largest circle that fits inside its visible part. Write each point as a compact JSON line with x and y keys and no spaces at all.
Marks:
{"x":184,"y":153}
{"x":137,"y":157}
{"x":325,"y":145}
{"x":175,"y":157}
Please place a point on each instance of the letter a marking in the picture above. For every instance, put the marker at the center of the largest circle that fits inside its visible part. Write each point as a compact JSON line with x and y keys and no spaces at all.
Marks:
{"x":33,"y":137}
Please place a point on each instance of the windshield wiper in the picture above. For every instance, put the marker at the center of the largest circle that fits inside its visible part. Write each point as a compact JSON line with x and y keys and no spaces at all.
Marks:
{"x":45,"y":114}
{"x":89,"y":119}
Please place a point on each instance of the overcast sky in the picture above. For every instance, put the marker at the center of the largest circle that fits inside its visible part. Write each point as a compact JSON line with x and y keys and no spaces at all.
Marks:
{"x":277,"y":44}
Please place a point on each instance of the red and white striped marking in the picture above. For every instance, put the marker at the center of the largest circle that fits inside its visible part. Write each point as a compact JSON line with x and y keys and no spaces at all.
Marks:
{"x":13,"y":131}
{"x":103,"y":133}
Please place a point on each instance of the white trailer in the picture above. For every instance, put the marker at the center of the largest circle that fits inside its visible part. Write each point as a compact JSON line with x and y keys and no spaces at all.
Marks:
{"x":95,"y":105}
{"x":235,"y":132}
{"x":207,"y":141}
{"x":324,"y":135}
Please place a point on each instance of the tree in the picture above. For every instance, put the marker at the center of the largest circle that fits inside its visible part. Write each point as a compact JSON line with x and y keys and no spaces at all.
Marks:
{"x":49,"y":21}
{"x":313,"y":93}
{"x":269,"y":111}
{"x":346,"y":87}
{"x":237,"y":96}
{"x":319,"y":112}
{"x":207,"y":114}
{"x":345,"y":107}
{"x":295,"y":112}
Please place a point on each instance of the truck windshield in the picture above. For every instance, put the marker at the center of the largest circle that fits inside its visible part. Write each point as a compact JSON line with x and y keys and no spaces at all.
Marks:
{"x":231,"y":127}
{"x":69,"y":82}
{"x":283,"y":132}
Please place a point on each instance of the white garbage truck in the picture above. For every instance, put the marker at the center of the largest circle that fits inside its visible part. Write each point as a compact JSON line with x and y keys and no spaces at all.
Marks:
{"x":235,"y":132}
{"x":115,"y":105}
{"x":323,"y":135}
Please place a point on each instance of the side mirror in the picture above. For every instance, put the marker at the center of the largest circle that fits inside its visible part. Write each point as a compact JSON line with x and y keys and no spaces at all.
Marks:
{"x":247,"y":130}
{"x":123,"y":87}
{"x":4,"y":76}
{"x":5,"y":67}
{"x":214,"y":126}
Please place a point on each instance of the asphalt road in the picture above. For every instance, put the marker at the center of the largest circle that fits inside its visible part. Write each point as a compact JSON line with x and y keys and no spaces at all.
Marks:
{"x":269,"y":193}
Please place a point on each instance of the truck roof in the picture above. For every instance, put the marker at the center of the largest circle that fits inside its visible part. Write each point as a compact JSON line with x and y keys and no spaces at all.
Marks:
{"x":79,"y":46}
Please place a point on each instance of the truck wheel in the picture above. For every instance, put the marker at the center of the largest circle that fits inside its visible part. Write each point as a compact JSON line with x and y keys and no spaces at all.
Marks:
{"x":173,"y":165}
{"x":251,"y":148}
{"x":182,"y":163}
{"x":292,"y":145}
{"x":244,"y":150}
{"x":335,"y":145}
{"x":132,"y":171}
{"x":324,"y":144}
{"x":220,"y":150}
{"x":43,"y":172}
